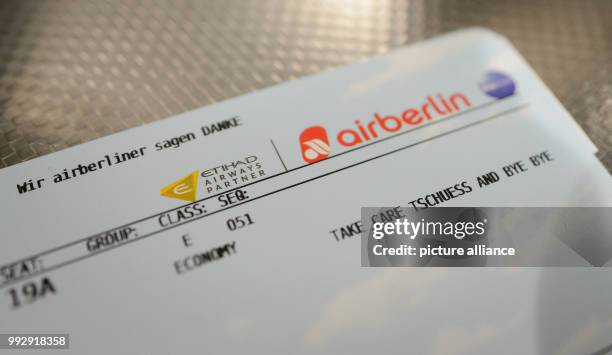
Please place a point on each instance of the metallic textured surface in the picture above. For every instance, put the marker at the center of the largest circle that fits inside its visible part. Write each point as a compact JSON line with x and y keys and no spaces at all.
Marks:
{"x":73,"y":71}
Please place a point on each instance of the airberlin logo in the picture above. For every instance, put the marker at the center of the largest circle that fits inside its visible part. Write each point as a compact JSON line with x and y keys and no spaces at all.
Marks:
{"x":315,"y":143}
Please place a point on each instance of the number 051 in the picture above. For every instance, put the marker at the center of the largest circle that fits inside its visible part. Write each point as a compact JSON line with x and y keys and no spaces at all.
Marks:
{"x":239,"y":222}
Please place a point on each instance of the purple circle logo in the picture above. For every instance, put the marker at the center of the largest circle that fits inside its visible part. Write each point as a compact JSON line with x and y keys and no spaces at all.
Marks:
{"x":497,"y":85}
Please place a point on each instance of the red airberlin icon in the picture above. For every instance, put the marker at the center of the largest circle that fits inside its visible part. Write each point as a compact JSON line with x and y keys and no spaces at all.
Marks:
{"x":315,"y":144}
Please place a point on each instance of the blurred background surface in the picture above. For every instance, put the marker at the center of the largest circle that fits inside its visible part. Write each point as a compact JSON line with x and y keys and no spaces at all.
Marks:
{"x":73,"y":71}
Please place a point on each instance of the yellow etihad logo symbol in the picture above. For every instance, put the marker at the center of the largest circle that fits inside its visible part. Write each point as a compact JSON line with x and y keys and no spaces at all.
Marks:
{"x":184,"y":188}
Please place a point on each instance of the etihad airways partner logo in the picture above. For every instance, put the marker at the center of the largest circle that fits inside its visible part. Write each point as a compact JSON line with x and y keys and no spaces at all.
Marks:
{"x":184,"y":188}
{"x":216,"y":178}
{"x":315,"y":143}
